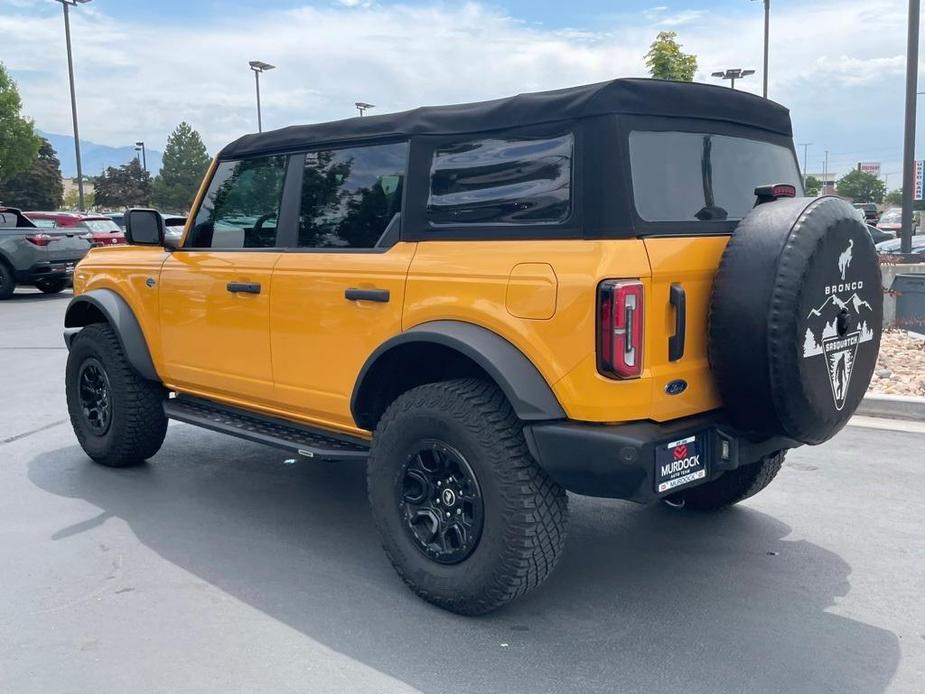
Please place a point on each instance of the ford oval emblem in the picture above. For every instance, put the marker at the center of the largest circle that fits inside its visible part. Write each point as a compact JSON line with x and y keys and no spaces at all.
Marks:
{"x":676,"y":387}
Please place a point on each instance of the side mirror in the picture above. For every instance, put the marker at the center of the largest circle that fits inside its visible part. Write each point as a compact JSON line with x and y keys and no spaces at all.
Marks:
{"x":144,"y":227}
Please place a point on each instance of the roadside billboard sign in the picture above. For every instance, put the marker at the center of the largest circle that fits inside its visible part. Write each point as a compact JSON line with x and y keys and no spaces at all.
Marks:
{"x":871,"y":167}
{"x":919,"y":171}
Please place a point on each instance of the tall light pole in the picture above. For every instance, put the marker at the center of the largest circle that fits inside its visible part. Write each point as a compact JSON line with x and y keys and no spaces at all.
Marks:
{"x":912,"y":77}
{"x":732,"y":74}
{"x":362,"y":106}
{"x":259,"y":66}
{"x":140,"y":147}
{"x":66,"y":4}
{"x":805,"y":146}
{"x":767,"y":27}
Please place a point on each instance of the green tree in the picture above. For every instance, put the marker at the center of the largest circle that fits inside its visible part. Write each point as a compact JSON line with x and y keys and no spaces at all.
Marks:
{"x":894,"y":197}
{"x":861,"y":186}
{"x":185,"y":163}
{"x":18,"y":142}
{"x":128,"y":185}
{"x":666,"y":61}
{"x":72,"y":198}
{"x":813,"y":186}
{"x":39,"y":187}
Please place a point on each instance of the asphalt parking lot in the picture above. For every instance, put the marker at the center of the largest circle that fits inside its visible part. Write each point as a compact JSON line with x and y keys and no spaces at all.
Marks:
{"x":222,"y":567}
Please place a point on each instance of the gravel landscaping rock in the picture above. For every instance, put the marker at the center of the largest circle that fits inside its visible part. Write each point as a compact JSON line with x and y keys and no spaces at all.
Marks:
{"x":901,"y":365}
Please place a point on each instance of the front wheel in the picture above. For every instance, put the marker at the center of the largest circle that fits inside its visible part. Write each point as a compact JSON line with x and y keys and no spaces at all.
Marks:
{"x":117,"y":415}
{"x":51,"y":286}
{"x":734,"y":486}
{"x":465,"y":514}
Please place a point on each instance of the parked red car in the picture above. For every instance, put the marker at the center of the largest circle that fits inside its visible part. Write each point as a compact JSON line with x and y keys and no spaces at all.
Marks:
{"x":101,"y":230}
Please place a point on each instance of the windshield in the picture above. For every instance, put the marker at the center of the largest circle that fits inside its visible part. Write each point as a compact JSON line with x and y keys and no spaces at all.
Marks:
{"x":101,"y":225}
{"x":690,"y":177}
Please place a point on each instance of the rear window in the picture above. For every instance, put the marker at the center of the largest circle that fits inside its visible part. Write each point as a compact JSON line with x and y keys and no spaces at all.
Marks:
{"x":690,"y":177}
{"x":100,"y":225}
{"x":502,"y":180}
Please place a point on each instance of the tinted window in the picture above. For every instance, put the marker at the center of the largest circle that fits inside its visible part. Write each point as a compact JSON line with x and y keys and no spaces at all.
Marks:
{"x":502,"y":180}
{"x":349,"y":196}
{"x":686,"y":177}
{"x":241,"y":207}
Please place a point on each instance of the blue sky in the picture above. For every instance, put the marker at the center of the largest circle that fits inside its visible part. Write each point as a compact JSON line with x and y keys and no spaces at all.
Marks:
{"x":142,"y":66}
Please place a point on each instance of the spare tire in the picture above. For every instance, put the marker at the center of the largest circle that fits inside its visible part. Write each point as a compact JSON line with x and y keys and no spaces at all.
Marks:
{"x":795,"y":319}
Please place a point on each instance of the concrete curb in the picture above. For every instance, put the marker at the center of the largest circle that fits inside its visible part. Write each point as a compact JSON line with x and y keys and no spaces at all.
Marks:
{"x":893,"y":406}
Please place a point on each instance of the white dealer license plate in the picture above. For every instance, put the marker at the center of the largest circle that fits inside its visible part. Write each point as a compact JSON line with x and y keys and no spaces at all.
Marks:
{"x":679,"y":464}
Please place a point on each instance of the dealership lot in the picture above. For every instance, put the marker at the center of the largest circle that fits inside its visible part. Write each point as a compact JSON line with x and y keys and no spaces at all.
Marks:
{"x":223,"y":566}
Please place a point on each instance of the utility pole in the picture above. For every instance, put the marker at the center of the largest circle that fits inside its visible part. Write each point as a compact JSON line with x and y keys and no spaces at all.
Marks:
{"x":805,"y":146}
{"x":912,"y":78}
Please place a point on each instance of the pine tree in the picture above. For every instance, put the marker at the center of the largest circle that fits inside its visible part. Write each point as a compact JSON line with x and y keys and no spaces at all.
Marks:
{"x":39,"y":187}
{"x":184,"y":165}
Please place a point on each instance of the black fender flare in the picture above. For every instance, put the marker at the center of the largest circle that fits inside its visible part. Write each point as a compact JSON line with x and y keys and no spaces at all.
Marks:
{"x":521,"y":382}
{"x":83,"y":310}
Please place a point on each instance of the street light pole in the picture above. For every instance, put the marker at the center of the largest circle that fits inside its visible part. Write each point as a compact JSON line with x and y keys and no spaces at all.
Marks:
{"x":732,"y":74}
{"x":140,"y":146}
{"x":259,"y":66}
{"x":362,"y":107}
{"x":767,"y":33}
{"x":912,"y":77}
{"x":66,"y":4}
{"x":805,"y":146}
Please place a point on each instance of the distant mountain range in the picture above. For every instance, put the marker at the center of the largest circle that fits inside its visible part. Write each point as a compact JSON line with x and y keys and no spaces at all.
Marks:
{"x":95,"y":158}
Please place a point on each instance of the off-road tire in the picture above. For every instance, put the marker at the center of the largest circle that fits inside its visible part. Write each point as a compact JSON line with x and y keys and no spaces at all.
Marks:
{"x":734,"y":486}
{"x":138,"y":424}
{"x":7,"y":281}
{"x":51,"y":286}
{"x":525,"y":512}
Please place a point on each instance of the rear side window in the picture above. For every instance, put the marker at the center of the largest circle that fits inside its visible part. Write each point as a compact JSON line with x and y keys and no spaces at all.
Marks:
{"x":690,"y":177}
{"x":351,"y":196}
{"x":502,"y":181}
{"x":241,"y":207}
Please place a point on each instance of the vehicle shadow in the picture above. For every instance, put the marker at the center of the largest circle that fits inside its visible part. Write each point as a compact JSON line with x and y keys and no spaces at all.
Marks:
{"x":27,"y":295}
{"x":645,"y":599}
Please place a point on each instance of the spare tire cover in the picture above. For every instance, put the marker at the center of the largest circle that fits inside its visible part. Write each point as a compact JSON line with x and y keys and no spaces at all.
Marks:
{"x":795,"y":319}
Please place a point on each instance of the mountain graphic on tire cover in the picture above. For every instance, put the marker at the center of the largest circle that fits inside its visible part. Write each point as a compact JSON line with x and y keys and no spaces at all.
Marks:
{"x":799,"y":287}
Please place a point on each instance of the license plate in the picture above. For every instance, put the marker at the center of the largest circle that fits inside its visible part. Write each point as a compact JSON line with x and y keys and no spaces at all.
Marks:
{"x":679,"y":464}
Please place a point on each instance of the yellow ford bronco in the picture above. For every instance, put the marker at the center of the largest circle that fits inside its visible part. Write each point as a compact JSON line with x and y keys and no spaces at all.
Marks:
{"x":617,"y":290}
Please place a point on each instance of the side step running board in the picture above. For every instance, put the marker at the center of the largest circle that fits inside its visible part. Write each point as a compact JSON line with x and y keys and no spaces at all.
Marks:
{"x":272,"y":431}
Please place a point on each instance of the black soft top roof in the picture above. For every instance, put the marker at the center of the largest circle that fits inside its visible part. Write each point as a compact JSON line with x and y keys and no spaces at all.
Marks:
{"x":638,"y":97}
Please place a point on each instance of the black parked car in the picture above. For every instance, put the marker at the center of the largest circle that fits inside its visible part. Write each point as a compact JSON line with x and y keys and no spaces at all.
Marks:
{"x":871,"y":213}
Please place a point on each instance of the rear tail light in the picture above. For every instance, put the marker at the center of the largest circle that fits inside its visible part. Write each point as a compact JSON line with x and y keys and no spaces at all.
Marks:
{"x":39,"y":239}
{"x":620,"y":328}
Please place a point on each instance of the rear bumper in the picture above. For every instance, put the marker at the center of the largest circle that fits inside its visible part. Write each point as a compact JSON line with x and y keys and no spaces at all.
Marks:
{"x":47,"y":270}
{"x":617,"y":461}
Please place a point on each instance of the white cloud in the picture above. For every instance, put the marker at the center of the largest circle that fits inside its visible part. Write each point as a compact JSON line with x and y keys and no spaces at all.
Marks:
{"x":837,"y":65}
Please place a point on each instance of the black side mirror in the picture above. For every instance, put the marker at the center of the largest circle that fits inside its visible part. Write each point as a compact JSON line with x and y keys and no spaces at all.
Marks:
{"x":144,"y":227}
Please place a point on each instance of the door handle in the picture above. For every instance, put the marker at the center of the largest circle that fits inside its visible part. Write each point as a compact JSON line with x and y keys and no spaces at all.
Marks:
{"x":678,"y":299}
{"x":243,"y":287}
{"x":354,"y":294}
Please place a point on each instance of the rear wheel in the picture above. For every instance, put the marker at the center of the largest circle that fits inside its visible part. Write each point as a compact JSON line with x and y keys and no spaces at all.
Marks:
{"x":466,"y":516}
{"x":734,"y":486}
{"x":117,"y":415}
{"x":7,"y":281}
{"x":51,"y":286}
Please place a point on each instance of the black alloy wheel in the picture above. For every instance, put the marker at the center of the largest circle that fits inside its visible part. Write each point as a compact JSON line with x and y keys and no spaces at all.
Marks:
{"x":440,"y":502}
{"x":95,"y":393}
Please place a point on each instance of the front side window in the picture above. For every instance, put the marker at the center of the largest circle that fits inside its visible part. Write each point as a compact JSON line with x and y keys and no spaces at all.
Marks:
{"x":241,"y":207}
{"x":350,"y":197}
{"x":690,"y":177}
{"x":502,"y":180}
